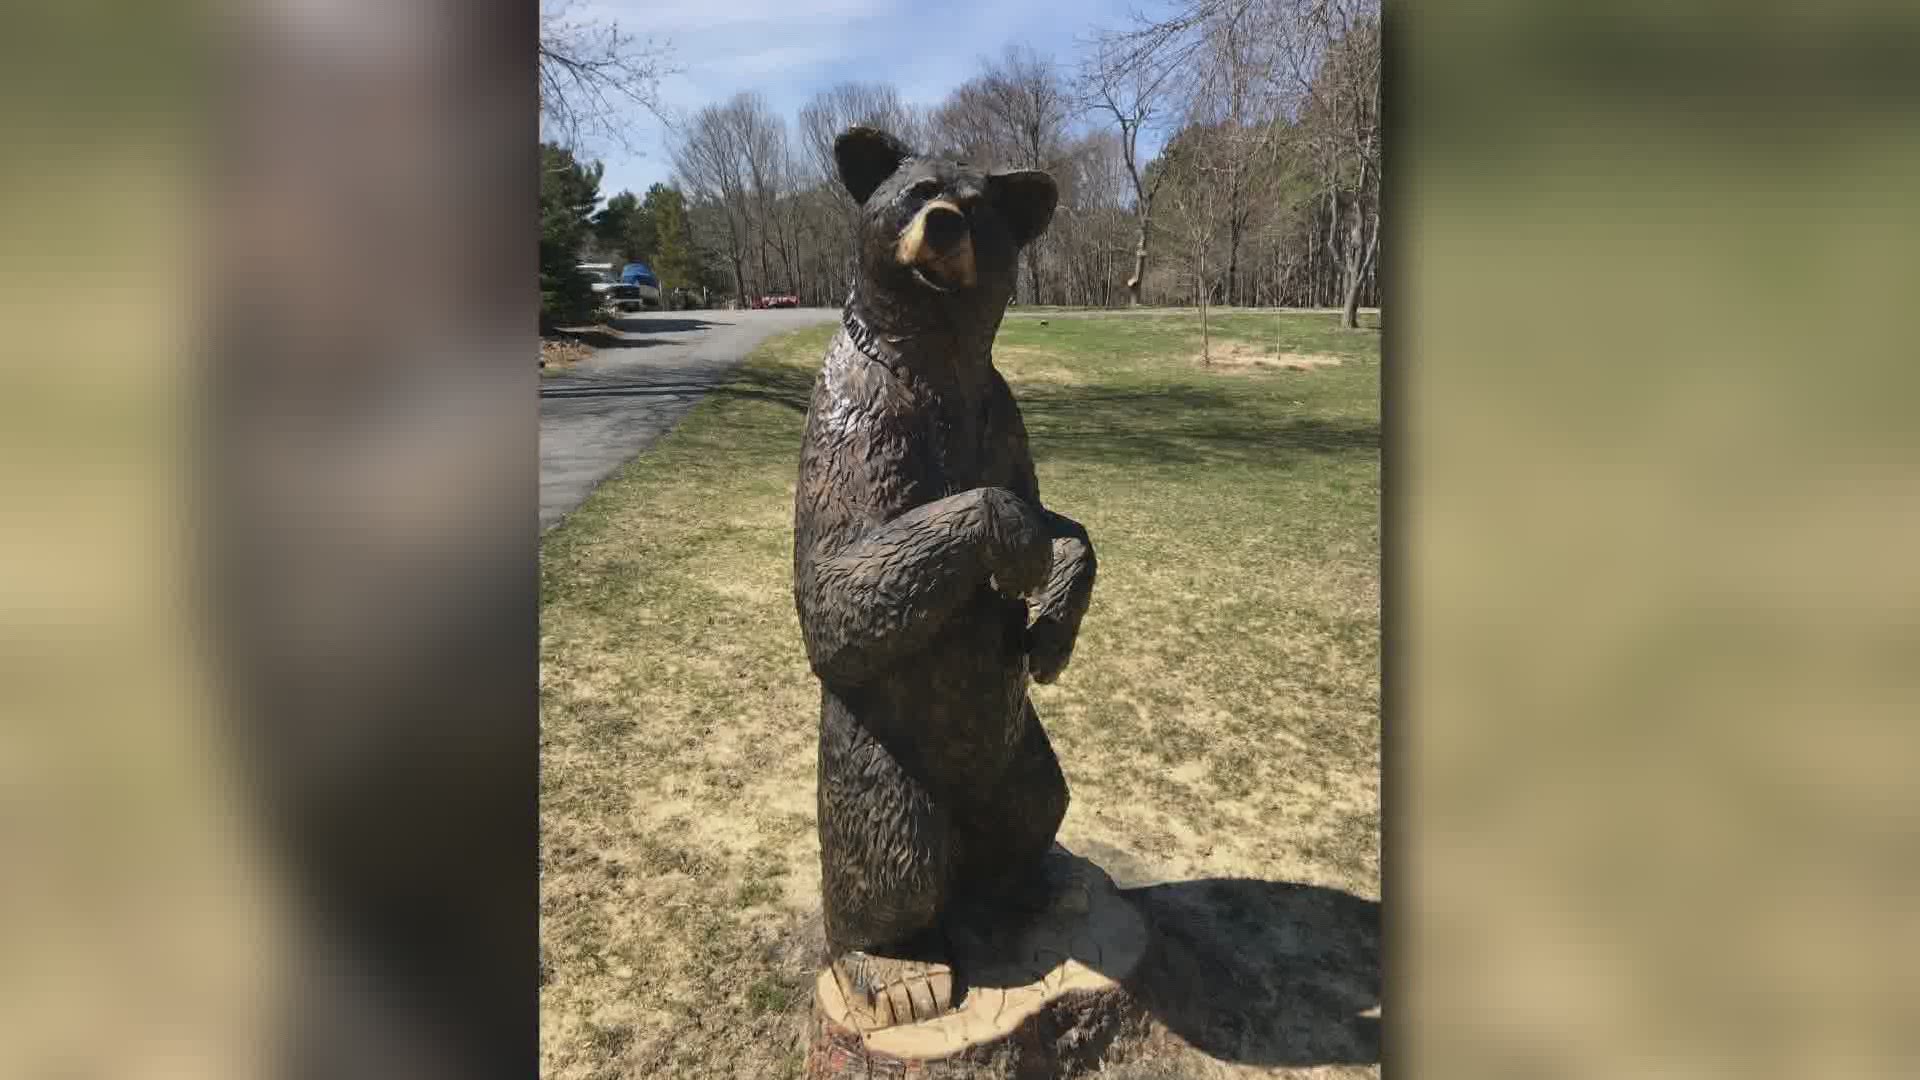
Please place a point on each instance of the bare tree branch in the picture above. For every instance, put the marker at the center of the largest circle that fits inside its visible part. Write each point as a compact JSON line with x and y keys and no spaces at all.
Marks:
{"x":594,"y":79}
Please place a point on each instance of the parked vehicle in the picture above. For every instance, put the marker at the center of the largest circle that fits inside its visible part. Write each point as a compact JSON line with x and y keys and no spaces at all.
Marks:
{"x":600,"y":276}
{"x":641,"y":275}
{"x":623,"y":300}
{"x":779,"y":300}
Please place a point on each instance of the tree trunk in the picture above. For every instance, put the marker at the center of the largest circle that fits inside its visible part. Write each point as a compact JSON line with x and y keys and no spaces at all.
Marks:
{"x":738,"y":258}
{"x":1200,"y":287}
{"x":1355,"y":267}
{"x":1333,"y":233}
{"x":1054,"y":997}
{"x":1351,"y":318}
{"x":1138,"y":280}
{"x":1235,"y":222}
{"x":785,"y":248}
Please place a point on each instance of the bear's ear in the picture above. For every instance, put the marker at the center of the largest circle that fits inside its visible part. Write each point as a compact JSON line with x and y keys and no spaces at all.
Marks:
{"x":866,"y":157}
{"x":1025,"y":199}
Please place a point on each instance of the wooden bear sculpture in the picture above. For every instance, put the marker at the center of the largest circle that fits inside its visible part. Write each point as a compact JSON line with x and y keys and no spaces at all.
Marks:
{"x":919,"y":544}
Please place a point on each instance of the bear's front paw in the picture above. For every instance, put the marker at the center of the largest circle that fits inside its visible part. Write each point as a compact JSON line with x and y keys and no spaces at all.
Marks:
{"x":1025,"y":569}
{"x":1049,"y":647}
{"x":1019,"y":554}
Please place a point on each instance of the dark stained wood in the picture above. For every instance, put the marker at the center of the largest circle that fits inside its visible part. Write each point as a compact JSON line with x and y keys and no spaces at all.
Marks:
{"x":930,"y":581}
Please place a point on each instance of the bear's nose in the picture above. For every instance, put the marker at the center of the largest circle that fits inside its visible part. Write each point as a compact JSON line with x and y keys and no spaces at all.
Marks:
{"x":944,"y":227}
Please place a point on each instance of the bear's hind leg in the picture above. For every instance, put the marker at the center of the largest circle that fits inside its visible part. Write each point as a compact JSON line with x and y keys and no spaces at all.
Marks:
{"x":885,"y":865}
{"x":1006,"y":832}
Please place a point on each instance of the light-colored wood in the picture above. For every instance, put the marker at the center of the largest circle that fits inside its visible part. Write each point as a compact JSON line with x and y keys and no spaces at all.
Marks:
{"x":1041,"y":999}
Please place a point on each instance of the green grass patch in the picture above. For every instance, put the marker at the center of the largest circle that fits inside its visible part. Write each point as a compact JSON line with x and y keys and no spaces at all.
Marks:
{"x":1220,"y":718}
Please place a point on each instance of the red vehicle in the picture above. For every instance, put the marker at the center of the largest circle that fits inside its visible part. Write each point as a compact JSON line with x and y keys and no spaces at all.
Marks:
{"x":781,"y":300}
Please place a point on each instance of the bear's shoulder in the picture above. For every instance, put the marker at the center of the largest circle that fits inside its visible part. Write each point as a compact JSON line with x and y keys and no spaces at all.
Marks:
{"x":866,"y":455}
{"x":856,"y":387}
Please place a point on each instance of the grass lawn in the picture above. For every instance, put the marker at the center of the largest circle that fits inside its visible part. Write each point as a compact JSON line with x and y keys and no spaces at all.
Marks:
{"x":1219,"y":725}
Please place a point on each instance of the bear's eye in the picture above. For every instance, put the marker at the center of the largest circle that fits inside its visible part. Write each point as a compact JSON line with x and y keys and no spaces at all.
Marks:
{"x":924,"y":189}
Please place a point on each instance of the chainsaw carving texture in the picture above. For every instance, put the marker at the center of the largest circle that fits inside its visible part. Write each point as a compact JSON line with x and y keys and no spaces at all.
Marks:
{"x":930,"y":581}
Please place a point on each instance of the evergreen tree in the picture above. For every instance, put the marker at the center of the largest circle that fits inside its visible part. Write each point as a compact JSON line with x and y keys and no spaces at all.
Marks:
{"x":625,"y":229}
{"x":568,"y":191}
{"x":673,"y":247}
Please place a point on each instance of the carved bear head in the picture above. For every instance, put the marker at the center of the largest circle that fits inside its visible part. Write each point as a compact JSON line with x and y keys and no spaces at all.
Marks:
{"x":938,"y":241}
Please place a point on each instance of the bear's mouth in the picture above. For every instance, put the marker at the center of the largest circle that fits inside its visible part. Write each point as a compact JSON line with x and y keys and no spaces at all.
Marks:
{"x":926,"y":279}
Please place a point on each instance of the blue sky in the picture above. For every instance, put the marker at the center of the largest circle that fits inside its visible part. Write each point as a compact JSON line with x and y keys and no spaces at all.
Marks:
{"x":789,"y":49}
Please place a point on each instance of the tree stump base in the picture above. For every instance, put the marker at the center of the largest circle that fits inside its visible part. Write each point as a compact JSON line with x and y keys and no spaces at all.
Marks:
{"x":1046,"y":997}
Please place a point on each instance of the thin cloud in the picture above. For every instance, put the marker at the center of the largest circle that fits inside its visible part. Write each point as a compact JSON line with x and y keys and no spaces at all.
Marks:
{"x":790,"y":50}
{"x":677,"y":17}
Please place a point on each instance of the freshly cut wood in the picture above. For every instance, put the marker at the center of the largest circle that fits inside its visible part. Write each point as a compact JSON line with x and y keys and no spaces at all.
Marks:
{"x":1044,"y":998}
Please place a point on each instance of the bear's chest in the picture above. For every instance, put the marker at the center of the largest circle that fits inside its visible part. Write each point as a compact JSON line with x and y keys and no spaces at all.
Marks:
{"x":958,"y":446}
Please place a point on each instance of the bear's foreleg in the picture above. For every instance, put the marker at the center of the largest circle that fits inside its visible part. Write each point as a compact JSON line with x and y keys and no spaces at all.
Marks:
{"x":1062,"y":604}
{"x":886,"y":594}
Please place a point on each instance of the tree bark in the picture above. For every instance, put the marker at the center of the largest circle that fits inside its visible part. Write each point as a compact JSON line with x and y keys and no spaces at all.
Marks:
{"x":1333,"y":232}
{"x":1200,"y":285}
{"x":737,"y":257}
{"x":1235,"y":221}
{"x":1351,"y":317}
{"x":1138,"y":281}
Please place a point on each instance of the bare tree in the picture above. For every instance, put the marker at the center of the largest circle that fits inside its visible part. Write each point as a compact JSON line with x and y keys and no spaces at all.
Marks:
{"x":1258,"y":70}
{"x":1030,"y":104}
{"x":1194,"y":194}
{"x":964,"y":126}
{"x":822,"y":119}
{"x":1275,"y":200}
{"x":593,"y":77}
{"x":1014,"y":114}
{"x":762,"y":138}
{"x":1236,"y":94}
{"x":1093,"y":241}
{"x":738,"y":156}
{"x":1328,"y":61}
{"x":844,"y":105}
{"x":1126,"y":77}
{"x":711,"y":160}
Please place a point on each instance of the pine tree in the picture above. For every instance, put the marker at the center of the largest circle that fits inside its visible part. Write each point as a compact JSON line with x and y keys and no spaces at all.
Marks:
{"x":673,"y":247}
{"x":568,"y":192}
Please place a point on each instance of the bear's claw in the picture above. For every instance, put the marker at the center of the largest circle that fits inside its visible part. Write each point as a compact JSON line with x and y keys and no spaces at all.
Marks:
{"x":883,"y":991}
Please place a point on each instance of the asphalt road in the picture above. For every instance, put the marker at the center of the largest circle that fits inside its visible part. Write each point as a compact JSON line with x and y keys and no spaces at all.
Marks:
{"x":613,"y":405}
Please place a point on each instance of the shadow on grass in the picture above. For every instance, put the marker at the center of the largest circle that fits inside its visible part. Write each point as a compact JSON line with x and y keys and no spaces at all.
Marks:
{"x":1264,"y":972}
{"x":1172,"y":424}
{"x":1251,"y":972}
{"x":1177,"y":425}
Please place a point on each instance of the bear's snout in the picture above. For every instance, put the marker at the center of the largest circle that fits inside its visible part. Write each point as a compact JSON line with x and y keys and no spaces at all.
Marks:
{"x":938,"y":245}
{"x":945,"y":227}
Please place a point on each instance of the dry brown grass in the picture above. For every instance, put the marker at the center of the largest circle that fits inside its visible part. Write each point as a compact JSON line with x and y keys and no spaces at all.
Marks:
{"x":1219,"y":724}
{"x":559,"y":353}
{"x":1242,"y":356}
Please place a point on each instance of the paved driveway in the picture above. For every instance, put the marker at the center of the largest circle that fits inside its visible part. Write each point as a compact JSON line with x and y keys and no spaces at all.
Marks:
{"x":610,"y":407}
